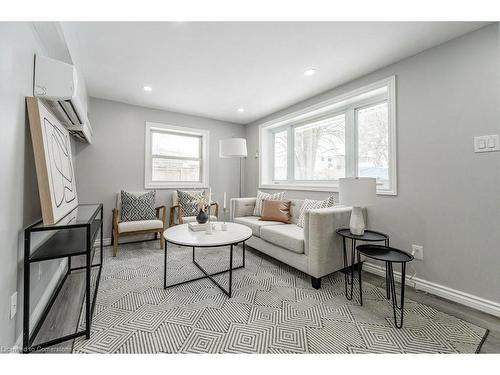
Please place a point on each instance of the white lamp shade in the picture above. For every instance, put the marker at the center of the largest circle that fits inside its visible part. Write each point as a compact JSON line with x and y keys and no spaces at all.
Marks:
{"x":233,"y":148}
{"x":357,"y":191}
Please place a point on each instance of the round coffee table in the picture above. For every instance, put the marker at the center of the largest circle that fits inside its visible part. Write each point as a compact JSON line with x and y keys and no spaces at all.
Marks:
{"x":389,"y":255}
{"x":181,"y":235}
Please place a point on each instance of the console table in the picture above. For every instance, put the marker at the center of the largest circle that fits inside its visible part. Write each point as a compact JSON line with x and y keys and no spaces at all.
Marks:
{"x":73,"y":235}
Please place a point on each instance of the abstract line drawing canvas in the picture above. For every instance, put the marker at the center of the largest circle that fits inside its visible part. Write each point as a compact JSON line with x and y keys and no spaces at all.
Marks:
{"x":54,"y":162}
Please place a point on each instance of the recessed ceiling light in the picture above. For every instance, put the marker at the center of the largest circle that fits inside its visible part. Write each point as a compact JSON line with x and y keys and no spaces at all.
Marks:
{"x":148,"y":88}
{"x":310,"y":72}
{"x":241,"y":110}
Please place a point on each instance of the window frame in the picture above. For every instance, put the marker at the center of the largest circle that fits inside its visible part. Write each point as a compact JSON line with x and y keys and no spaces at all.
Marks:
{"x":347,"y":104}
{"x":152,"y":127}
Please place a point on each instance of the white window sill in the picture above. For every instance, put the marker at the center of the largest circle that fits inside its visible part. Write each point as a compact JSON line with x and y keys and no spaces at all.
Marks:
{"x":324,"y":188}
{"x":175,"y":185}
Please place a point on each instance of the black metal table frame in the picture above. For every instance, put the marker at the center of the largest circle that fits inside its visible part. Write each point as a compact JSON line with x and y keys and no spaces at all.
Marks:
{"x":390,"y":288}
{"x":349,"y":268}
{"x":29,"y":338}
{"x":207,"y":275}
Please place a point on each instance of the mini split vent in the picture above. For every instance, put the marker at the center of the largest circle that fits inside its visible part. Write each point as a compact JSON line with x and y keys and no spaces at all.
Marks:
{"x":62,"y":89}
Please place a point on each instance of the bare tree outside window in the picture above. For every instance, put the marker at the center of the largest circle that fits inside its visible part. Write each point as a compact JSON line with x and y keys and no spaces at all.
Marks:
{"x":280,"y":155}
{"x":373,"y":141}
{"x":320,"y":150}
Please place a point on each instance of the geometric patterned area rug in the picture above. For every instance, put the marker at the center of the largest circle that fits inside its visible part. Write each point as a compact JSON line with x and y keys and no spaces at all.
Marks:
{"x":274,"y":309}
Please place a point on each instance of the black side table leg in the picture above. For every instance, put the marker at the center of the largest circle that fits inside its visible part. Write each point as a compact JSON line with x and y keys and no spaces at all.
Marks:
{"x":387,"y":281}
{"x":348,"y":268}
{"x":395,"y":306}
{"x":360,"y":268}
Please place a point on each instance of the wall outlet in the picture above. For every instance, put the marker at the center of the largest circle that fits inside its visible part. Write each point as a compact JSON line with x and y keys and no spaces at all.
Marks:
{"x":39,"y":271}
{"x":417,"y":251}
{"x":13,"y":305}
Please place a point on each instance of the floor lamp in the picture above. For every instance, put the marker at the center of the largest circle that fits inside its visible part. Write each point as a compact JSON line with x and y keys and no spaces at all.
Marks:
{"x":233,"y":148}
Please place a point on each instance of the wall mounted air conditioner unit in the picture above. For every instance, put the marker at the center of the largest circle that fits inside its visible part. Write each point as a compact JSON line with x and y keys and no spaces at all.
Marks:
{"x":62,"y":89}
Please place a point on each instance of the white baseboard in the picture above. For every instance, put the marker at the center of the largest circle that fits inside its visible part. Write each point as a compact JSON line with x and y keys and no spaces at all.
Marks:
{"x":454,"y":295}
{"x":44,"y":299}
{"x":105,"y":242}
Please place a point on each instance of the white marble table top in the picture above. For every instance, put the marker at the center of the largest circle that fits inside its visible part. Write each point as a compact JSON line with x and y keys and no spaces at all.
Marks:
{"x":182,"y":235}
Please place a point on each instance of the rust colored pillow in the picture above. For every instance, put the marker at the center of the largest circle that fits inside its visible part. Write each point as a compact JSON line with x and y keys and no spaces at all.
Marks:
{"x":276,"y":211}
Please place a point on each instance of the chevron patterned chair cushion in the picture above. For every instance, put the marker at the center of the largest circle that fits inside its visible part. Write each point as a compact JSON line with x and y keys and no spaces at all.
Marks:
{"x":138,"y":206}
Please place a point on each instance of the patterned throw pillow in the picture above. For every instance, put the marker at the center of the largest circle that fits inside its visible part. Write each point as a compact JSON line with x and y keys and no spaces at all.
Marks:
{"x":189,"y":201}
{"x":310,"y":204}
{"x":261,"y":196}
{"x":138,"y":206}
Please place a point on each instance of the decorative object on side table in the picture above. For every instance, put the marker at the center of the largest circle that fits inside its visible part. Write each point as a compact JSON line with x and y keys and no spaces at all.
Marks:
{"x":389,"y":255}
{"x":368,"y":236}
{"x":357,"y":192}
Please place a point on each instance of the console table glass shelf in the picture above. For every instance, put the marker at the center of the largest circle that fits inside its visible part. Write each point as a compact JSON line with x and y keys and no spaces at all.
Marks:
{"x":72,"y":236}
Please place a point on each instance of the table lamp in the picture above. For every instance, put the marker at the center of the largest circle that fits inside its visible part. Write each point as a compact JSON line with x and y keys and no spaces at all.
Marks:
{"x":357,"y":192}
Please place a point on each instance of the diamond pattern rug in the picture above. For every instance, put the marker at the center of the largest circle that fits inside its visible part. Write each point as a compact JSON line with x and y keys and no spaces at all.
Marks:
{"x":274,"y":309}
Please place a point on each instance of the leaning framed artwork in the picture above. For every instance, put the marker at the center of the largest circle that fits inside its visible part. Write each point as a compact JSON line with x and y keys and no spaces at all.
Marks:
{"x":53,"y":161}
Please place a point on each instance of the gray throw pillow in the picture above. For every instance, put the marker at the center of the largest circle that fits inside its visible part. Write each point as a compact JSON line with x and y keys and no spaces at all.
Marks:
{"x":138,"y":206}
{"x":310,"y":204}
{"x":190,"y":200}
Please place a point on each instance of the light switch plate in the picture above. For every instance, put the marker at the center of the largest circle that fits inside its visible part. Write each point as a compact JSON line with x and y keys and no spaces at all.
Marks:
{"x":486,"y":143}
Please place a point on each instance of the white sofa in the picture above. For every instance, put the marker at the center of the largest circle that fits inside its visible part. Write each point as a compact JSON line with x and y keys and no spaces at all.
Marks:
{"x":315,"y":249}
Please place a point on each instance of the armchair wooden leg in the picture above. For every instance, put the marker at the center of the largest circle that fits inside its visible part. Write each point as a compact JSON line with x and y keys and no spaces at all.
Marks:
{"x":115,"y":243}
{"x":162,"y":242}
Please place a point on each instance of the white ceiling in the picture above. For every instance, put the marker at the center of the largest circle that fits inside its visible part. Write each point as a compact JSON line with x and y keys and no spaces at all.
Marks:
{"x":212,"y":68}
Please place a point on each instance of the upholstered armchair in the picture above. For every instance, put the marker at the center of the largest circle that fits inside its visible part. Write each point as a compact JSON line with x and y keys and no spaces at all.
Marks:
{"x":128,"y":228}
{"x":177,"y":215}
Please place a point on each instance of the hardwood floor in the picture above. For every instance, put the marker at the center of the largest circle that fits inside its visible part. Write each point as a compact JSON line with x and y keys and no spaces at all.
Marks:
{"x":63,"y":318}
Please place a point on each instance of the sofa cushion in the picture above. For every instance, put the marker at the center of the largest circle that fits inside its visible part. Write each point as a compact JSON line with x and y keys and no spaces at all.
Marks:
{"x":255,"y":224}
{"x":261,"y":196}
{"x":133,"y":226}
{"x":276,"y":211}
{"x":310,"y":204}
{"x":289,"y":236}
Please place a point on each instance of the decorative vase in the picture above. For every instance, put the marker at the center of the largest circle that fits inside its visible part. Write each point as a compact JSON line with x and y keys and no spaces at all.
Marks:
{"x":202,"y":217}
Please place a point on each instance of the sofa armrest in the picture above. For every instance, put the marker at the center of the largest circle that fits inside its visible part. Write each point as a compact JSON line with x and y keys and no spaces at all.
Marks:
{"x":241,"y":207}
{"x":322,"y":245}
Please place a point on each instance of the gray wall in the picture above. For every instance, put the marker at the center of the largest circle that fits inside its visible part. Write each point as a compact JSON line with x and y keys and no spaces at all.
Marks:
{"x":449,"y":197}
{"x":19,"y":200}
{"x":115,"y":160}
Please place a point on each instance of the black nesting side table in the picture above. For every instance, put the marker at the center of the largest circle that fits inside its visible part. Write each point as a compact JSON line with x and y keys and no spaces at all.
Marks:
{"x":389,"y":255}
{"x":368,"y":236}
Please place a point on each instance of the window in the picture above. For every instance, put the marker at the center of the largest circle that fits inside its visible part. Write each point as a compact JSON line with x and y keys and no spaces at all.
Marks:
{"x":350,"y":135}
{"x":175,"y":156}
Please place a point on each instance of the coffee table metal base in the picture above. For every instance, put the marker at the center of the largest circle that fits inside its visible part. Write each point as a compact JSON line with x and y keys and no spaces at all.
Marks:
{"x":228,"y":291}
